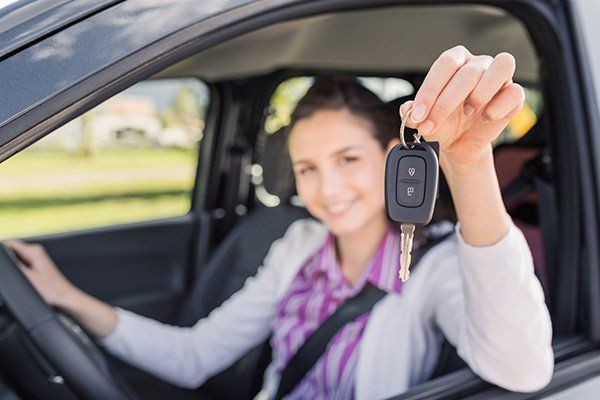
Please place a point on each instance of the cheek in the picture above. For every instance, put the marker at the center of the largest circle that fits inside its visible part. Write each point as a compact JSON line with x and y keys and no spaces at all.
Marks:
{"x":307,"y":190}
{"x":369,"y":181}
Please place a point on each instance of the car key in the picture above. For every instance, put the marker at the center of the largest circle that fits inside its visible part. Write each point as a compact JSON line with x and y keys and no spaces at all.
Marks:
{"x":411,"y":189}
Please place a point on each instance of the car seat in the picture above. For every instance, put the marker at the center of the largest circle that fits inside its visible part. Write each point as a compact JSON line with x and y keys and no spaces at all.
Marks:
{"x":238,"y":257}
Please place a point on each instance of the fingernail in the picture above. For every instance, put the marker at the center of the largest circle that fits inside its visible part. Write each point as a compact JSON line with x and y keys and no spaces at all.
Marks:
{"x":468,"y":109}
{"x":426,"y":127}
{"x":418,"y":112}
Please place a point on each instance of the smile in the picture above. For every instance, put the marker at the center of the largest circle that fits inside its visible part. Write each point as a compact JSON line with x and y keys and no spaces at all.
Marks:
{"x":339,"y":208}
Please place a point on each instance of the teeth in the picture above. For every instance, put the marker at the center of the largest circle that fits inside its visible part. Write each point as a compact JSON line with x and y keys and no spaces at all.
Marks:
{"x":339,"y":207}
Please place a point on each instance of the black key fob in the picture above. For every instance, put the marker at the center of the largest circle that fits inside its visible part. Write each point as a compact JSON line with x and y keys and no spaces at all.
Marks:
{"x":411,"y":182}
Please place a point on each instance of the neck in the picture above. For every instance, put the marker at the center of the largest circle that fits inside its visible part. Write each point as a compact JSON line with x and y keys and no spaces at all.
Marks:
{"x":355,"y":249}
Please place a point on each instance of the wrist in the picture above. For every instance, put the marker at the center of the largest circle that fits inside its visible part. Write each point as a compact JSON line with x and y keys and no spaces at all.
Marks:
{"x":69,"y":298}
{"x":467,"y":167}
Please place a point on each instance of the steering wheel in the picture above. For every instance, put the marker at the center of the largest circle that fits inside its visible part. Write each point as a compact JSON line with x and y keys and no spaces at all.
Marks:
{"x":74,"y":355}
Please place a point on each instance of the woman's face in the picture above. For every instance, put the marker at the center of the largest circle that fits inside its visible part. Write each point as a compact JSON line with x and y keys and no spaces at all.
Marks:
{"x":339,"y":168}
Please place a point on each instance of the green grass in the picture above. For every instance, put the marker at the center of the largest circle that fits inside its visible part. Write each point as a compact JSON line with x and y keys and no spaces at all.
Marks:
{"x":52,"y":191}
{"x":32,"y":162}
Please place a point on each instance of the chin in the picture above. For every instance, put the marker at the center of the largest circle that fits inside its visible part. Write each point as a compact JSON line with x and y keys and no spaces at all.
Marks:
{"x":344,"y":226}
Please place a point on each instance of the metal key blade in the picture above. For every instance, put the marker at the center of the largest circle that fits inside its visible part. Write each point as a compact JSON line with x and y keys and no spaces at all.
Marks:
{"x":406,"y":244}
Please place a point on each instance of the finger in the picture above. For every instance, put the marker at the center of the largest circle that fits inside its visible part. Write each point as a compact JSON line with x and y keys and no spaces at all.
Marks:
{"x":403,"y":110}
{"x":28,"y":272}
{"x":455,"y":93}
{"x":498,"y":75}
{"x":23,"y":250}
{"x":10,"y":242}
{"x":442,"y":70}
{"x":514,"y":112}
{"x":511,"y":97}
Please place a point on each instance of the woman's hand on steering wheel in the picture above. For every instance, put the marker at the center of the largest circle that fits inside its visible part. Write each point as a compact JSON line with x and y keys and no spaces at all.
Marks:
{"x":41,"y":271}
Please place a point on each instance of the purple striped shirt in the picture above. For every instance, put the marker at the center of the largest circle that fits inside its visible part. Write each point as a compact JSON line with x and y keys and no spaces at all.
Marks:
{"x":316,"y":292}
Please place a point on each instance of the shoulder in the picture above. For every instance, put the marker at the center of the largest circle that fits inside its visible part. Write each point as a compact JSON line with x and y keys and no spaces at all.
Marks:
{"x":440,"y":260}
{"x":302,"y":233}
{"x":438,"y":270}
{"x":302,"y":238}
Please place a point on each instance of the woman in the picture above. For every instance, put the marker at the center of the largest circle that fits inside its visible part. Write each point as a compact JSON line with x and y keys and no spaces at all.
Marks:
{"x":477,"y":288}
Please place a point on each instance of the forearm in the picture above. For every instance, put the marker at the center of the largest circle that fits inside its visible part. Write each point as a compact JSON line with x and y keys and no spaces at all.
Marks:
{"x":493,"y":311}
{"x":477,"y":199}
{"x":96,"y":317}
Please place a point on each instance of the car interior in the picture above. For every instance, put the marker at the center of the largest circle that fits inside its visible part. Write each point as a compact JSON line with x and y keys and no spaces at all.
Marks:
{"x":178,"y":269}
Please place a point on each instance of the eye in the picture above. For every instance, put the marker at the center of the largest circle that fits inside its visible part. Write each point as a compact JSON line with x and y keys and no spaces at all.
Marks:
{"x":305,"y":170}
{"x":348,"y":159}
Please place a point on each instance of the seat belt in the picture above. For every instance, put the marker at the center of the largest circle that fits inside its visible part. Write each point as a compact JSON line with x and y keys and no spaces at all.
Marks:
{"x":316,"y":344}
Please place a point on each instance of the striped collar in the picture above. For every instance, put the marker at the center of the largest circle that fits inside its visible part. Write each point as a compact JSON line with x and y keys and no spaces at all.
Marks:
{"x":381,"y":270}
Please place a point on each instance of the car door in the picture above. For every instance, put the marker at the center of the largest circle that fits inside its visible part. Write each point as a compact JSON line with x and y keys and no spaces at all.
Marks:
{"x":109,"y":195}
{"x":146,"y":258}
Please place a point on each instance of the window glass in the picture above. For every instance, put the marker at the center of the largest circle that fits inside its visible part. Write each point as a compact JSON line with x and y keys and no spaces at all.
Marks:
{"x":129,"y":159}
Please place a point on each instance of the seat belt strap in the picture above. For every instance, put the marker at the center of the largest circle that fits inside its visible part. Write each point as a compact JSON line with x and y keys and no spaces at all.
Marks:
{"x":316,"y":344}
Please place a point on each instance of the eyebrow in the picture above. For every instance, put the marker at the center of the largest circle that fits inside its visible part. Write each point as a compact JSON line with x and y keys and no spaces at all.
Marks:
{"x":345,"y":149}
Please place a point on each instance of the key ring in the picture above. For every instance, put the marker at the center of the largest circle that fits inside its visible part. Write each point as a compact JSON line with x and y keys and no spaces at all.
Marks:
{"x":417,"y":135}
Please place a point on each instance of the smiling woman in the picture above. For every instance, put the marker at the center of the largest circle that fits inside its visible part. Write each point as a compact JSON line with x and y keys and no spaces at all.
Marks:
{"x":339,"y":136}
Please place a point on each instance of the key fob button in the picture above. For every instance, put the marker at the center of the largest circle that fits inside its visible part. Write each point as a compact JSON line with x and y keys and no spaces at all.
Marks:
{"x":410,"y":194}
{"x":411,"y":168}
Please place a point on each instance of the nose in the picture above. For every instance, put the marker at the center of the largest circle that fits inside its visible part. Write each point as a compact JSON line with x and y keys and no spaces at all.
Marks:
{"x":330,"y":184}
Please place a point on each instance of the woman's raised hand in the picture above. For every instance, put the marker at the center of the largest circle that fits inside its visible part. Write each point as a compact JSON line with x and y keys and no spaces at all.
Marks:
{"x":41,"y":271}
{"x":464,"y":103}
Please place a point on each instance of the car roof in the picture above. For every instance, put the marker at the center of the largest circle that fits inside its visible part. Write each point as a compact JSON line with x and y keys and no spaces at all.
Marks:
{"x":27,"y":21}
{"x":404,"y":39}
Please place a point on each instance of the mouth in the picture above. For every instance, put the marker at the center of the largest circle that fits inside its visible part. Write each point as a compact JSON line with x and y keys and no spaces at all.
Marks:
{"x":338,"y":209}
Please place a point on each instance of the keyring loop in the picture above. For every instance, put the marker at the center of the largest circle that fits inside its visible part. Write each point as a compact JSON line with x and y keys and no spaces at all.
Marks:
{"x":417,"y":135}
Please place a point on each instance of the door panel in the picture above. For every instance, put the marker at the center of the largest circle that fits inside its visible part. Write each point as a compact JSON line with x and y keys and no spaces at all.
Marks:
{"x":142,"y":267}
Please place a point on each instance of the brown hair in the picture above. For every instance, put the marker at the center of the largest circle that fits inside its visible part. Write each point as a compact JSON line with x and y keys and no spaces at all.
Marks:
{"x":339,"y":93}
{"x":347,"y":93}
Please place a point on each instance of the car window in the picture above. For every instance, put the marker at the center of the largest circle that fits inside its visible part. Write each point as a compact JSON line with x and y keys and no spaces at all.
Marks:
{"x":131,"y":158}
{"x":290,"y":91}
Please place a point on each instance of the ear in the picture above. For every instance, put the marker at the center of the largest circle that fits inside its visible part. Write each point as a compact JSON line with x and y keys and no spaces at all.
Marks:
{"x":391,"y":145}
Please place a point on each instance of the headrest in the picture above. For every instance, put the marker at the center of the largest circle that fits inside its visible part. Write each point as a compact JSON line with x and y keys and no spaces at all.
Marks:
{"x":278,"y":175}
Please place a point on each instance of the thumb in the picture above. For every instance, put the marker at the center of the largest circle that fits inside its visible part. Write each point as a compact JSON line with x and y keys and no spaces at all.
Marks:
{"x":404,"y":108}
{"x":22,"y":250}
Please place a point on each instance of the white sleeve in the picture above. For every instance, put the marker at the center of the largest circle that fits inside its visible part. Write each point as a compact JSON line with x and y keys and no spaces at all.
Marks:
{"x":495,"y":315}
{"x":187,"y":357}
